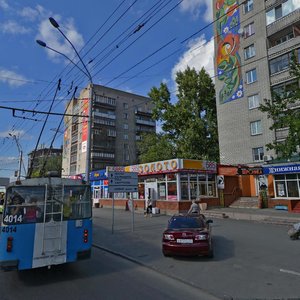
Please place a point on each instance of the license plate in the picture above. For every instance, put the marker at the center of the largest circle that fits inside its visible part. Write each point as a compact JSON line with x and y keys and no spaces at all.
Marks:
{"x":184,"y":241}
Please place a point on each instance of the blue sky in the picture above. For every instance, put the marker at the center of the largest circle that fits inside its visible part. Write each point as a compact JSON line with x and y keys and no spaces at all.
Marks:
{"x":104,"y":32}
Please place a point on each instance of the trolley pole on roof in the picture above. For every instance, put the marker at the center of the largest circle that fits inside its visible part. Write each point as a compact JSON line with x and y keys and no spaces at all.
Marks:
{"x":86,"y":72}
{"x":20,"y":155}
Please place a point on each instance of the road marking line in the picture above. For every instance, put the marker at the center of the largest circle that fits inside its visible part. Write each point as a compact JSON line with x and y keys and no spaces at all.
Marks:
{"x":290,"y":272}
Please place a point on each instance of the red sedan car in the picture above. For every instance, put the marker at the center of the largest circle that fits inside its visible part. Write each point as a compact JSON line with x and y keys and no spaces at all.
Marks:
{"x":188,"y":235}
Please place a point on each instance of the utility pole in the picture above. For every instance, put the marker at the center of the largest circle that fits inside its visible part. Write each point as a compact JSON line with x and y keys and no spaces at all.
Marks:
{"x":86,"y":72}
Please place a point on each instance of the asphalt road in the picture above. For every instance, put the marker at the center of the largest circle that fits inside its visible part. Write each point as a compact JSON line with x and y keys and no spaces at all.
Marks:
{"x":252,"y":260}
{"x":105,"y":276}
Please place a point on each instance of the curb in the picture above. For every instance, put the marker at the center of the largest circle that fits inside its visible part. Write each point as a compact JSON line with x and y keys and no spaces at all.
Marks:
{"x":252,"y":217}
{"x":202,"y":293}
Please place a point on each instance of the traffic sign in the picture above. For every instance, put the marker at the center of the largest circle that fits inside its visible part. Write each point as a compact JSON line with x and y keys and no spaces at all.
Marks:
{"x":122,"y":182}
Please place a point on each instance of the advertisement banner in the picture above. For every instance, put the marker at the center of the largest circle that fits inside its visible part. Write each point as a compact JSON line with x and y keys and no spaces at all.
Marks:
{"x":283,"y":169}
{"x":85,"y":108}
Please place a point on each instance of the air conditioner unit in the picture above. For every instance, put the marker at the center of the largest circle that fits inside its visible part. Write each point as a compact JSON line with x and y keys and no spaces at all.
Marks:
{"x":267,"y":157}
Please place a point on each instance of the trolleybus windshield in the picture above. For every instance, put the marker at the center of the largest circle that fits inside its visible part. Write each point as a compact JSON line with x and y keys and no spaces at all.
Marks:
{"x":36,"y":204}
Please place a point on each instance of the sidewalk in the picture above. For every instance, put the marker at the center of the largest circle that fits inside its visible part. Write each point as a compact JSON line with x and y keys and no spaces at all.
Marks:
{"x":265,"y":215}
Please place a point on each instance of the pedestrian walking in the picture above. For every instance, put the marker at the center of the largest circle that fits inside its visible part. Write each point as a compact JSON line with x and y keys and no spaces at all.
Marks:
{"x":149,"y":207}
{"x":195,"y":208}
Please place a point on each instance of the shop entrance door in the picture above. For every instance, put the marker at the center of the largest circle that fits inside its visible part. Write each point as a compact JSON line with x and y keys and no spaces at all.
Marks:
{"x":150,"y":191}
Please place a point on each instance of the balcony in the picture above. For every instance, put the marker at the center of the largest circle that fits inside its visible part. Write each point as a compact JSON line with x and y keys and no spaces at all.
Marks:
{"x":281,"y":134}
{"x":280,"y":77}
{"x":270,"y":3}
{"x":283,"y":22}
{"x":145,"y":122}
{"x":104,"y":115}
{"x":284,"y":47}
{"x":143,"y":113}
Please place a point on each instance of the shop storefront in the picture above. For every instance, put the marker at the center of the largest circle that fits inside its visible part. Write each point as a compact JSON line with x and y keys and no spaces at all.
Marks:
{"x":99,"y":186}
{"x":285,"y":179}
{"x":172,"y":184}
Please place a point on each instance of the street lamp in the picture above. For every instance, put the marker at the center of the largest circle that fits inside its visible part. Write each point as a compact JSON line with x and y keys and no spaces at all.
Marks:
{"x":89,"y":76}
{"x":20,"y":154}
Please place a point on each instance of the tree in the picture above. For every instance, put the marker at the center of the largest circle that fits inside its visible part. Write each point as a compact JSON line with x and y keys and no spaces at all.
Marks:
{"x":189,"y":126}
{"x":155,"y":147}
{"x":53,"y":163}
{"x":282,"y":109}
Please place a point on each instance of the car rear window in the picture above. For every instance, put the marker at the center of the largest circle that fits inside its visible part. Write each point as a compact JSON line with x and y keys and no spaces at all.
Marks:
{"x":177,"y":223}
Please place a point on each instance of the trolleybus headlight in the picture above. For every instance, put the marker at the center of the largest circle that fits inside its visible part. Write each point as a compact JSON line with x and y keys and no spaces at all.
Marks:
{"x":85,"y":235}
{"x":9,"y":244}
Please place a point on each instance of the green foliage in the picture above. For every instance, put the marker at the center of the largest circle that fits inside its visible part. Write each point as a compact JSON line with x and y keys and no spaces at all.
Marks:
{"x":53,"y":163}
{"x":189,"y":125}
{"x":155,"y":147}
{"x":281,"y":109}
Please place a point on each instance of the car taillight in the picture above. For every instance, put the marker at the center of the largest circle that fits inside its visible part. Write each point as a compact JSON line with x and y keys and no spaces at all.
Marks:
{"x":201,"y":237}
{"x":85,"y":235}
{"x":169,"y":237}
{"x":9,"y":244}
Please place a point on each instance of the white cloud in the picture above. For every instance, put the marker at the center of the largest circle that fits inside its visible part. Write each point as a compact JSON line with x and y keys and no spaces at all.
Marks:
{"x":17,"y":133}
{"x":53,"y":38}
{"x":200,"y":54}
{"x":194,"y":7}
{"x":29,"y":13}
{"x":4,"y":5}
{"x":13,"y":27}
{"x":12,"y":78}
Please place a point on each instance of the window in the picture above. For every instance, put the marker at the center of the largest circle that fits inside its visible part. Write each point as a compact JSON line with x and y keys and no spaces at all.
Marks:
{"x":255,"y":127}
{"x":253,"y":101}
{"x":125,"y":136}
{"x":249,"y":30}
{"x":125,"y":105}
{"x":285,"y":38}
{"x":248,"y":6}
{"x":125,"y":116}
{"x":287,"y":186}
{"x":258,"y":154}
{"x":105,"y":100}
{"x":111,"y":132}
{"x":126,"y":126}
{"x":251,"y":76}
{"x":281,"y":10}
{"x":280,"y":63}
{"x":249,"y":52}
{"x":286,"y":89}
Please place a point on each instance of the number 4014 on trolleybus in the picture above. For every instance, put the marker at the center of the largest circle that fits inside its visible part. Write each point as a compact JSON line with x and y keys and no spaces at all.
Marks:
{"x":45,"y":222}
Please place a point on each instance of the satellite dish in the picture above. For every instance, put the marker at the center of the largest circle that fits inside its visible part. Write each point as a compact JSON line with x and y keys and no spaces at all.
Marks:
{"x":241,"y":31}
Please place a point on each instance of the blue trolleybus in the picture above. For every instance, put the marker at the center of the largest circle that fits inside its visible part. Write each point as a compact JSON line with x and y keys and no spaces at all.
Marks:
{"x":45,"y":222}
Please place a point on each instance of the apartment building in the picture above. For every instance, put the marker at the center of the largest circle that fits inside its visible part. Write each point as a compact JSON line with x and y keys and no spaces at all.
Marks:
{"x":36,"y":159}
{"x":254,"y":41}
{"x":118,"y":120}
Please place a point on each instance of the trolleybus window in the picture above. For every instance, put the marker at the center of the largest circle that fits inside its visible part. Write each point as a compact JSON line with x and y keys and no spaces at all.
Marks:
{"x":24,"y":205}
{"x":77,"y":204}
{"x":27,"y":204}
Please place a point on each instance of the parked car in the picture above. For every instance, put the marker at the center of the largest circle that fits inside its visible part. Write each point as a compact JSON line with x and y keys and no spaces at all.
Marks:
{"x":188,"y":235}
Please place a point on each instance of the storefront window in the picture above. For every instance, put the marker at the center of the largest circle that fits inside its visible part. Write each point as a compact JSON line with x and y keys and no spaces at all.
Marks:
{"x":172,"y":191}
{"x":184,"y":187}
{"x":287,"y":186}
{"x":141,"y":189}
{"x":194,"y":187}
{"x":292,"y":189}
{"x":162,"y":190}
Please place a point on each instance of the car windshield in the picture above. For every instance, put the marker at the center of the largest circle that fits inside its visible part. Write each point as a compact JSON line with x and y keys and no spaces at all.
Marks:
{"x":186,"y":222}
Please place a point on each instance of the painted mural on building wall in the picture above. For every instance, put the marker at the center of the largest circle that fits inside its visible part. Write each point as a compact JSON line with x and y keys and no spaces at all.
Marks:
{"x":228,"y":43}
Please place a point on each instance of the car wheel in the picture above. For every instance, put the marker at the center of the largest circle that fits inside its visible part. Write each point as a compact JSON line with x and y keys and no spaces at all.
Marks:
{"x":211,"y":254}
{"x":166,"y":254}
